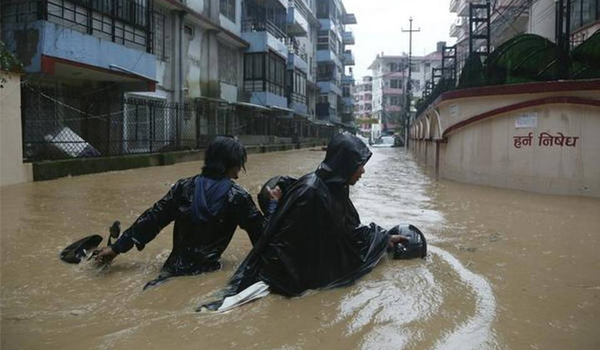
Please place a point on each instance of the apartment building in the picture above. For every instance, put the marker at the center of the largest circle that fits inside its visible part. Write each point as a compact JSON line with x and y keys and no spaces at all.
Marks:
{"x":332,"y":59}
{"x":228,"y":59}
{"x":584,"y":19}
{"x":389,"y":82}
{"x":388,"y":89}
{"x":509,"y":18}
{"x":363,"y":105}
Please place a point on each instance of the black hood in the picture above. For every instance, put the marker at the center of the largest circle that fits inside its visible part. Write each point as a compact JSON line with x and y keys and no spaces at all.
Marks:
{"x":345,"y":154}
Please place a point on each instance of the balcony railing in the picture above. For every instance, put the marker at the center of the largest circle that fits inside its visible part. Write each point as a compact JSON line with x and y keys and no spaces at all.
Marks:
{"x":294,"y":47}
{"x":263,"y":25}
{"x":121,"y":21}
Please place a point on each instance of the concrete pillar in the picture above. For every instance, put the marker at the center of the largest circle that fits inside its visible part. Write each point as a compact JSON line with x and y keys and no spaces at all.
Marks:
{"x":12,"y":168}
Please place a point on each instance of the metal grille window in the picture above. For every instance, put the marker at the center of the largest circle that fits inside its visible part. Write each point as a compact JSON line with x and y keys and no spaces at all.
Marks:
{"x":297,"y":86}
{"x":395,"y":84}
{"x":584,"y":12}
{"x":228,"y":64}
{"x":162,"y":35}
{"x":323,"y":9}
{"x":254,"y":72}
{"x":264,"y":72}
{"x":126,"y":22}
{"x":228,"y":9}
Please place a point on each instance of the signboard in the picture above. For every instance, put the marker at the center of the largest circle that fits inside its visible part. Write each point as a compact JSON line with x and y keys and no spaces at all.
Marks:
{"x":526,"y":121}
{"x":454,"y":111}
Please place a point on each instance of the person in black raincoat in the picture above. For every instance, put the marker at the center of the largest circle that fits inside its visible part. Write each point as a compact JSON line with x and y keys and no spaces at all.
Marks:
{"x":315,"y":238}
{"x":206,"y":209}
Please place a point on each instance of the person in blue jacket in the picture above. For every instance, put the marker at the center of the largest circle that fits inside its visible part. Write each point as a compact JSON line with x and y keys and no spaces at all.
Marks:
{"x":206,"y":208}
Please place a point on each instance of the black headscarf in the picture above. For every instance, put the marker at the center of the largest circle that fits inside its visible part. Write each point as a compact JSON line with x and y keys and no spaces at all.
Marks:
{"x":345,"y":154}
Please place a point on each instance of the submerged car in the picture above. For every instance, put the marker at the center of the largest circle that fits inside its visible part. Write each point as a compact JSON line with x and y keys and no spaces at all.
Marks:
{"x":384,"y":141}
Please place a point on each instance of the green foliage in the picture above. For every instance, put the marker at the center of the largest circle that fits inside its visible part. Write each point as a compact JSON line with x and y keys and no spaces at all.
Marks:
{"x":8,"y":61}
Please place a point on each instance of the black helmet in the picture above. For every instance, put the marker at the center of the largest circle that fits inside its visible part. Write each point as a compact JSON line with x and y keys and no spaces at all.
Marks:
{"x":79,"y":250}
{"x":416,"y":246}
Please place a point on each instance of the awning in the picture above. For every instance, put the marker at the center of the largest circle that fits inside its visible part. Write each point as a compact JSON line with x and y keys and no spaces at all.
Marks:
{"x":127,"y":79}
{"x":288,"y":112}
{"x":252,"y":105}
{"x":212,"y":99}
{"x":301,"y":115}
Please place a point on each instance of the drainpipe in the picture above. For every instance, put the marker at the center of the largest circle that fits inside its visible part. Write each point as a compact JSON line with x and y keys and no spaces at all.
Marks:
{"x":180,"y":73}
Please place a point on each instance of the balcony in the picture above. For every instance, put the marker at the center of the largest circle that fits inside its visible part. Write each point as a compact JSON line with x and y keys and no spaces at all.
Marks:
{"x":348,"y":58}
{"x":349,"y":18}
{"x":463,"y":6}
{"x":264,"y":35}
{"x":348,"y":101}
{"x":124,"y":57}
{"x":456,"y":29}
{"x":348,"y":37}
{"x":328,"y":56}
{"x":390,"y":108}
{"x":392,"y":91}
{"x":348,"y":80}
{"x":297,"y":60}
{"x":329,"y":87}
{"x":454,"y":5}
{"x":297,"y":25}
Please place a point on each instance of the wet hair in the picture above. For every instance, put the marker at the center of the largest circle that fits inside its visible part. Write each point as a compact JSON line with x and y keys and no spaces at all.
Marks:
{"x":222,"y":154}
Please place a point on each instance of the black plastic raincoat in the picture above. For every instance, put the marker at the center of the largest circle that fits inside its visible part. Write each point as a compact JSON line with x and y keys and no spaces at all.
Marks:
{"x":315,"y":238}
{"x":197,"y":243}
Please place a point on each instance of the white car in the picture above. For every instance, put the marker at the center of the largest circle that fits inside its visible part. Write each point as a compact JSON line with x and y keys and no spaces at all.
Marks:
{"x":384,"y":141}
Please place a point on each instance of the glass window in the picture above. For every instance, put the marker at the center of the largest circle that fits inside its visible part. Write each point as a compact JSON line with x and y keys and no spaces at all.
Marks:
{"x":228,"y":9}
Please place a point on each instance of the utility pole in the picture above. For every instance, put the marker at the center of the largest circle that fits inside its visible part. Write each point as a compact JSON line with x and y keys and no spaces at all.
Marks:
{"x":563,"y":36}
{"x":408,"y":83}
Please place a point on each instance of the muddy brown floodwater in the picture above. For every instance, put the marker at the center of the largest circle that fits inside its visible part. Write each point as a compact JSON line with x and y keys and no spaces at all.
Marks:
{"x":506,"y":269}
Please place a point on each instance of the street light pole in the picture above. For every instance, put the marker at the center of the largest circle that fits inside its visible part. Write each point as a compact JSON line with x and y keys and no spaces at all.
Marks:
{"x":409,"y":82}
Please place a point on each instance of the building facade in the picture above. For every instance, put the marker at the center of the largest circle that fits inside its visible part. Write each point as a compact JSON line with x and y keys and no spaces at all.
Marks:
{"x":169,"y":71}
{"x":390,"y":79}
{"x":363,"y":105}
{"x":332,"y":59}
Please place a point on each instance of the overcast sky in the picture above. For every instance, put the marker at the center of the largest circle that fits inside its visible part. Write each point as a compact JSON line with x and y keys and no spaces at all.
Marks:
{"x":380,"y":23}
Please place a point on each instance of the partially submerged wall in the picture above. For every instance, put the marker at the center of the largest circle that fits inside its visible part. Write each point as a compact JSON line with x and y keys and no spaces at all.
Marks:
{"x":540,"y":137}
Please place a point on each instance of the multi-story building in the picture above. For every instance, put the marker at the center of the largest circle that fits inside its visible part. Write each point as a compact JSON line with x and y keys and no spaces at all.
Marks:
{"x":584,"y":19}
{"x":388,"y":80}
{"x":363,"y":105}
{"x":221,"y":54}
{"x":332,"y":59}
{"x":507,"y":19}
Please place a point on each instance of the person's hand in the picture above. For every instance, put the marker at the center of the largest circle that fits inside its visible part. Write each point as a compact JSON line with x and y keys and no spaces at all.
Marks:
{"x":105,"y":255}
{"x":275,"y":194}
{"x":395,"y":239}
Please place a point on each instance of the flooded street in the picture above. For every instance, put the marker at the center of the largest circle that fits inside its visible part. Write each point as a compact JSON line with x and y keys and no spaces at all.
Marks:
{"x":506,"y":269}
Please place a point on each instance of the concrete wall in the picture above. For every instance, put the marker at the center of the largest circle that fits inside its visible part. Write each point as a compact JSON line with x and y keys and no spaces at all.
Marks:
{"x":502,"y":140}
{"x":12,"y":169}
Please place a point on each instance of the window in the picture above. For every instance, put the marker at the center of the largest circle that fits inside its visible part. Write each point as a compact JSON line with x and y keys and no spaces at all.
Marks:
{"x":228,"y":64}
{"x":264,"y":72}
{"x":346,"y":91}
{"x":325,"y":72}
{"x":395,"y":84}
{"x":162,"y":36}
{"x":228,"y":9}
{"x":416,"y":85}
{"x":189,"y":31}
{"x":323,"y":9}
{"x":416,"y":67}
{"x":297,"y":85}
